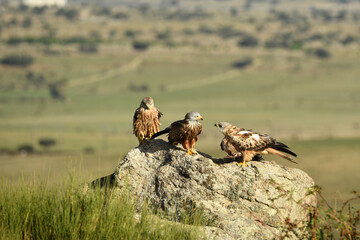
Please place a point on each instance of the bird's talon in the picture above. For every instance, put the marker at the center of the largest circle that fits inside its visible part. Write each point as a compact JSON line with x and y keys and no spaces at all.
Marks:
{"x":189,"y":152}
{"x":243,"y":164}
{"x":193,"y":151}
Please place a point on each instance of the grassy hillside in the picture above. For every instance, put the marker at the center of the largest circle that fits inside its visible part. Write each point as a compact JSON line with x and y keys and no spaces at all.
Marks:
{"x":301,"y":84}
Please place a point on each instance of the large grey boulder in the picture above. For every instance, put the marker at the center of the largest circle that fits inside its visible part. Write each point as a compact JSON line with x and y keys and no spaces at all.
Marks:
{"x":261,"y":201}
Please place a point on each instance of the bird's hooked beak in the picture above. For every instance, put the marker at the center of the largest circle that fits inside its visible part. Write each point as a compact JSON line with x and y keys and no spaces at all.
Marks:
{"x":199,"y":118}
{"x":216,"y":125}
{"x":147,"y":106}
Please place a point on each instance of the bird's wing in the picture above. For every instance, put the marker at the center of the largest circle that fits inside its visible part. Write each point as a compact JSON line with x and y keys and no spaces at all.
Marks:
{"x":135,"y":117}
{"x":159,"y":113}
{"x":178,"y":130}
{"x":247,"y":140}
{"x":223,"y":143}
{"x":228,"y":147}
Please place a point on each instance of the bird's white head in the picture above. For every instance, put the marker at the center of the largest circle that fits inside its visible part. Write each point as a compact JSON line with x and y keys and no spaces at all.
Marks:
{"x":222,"y":126}
{"x":193,"y":116}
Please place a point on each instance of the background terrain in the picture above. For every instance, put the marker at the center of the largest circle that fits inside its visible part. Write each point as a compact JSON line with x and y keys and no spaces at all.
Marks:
{"x":71,"y":78}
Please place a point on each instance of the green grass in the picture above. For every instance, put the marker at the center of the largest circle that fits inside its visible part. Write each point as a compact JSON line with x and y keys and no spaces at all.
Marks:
{"x":310,"y":104}
{"x":37,"y":211}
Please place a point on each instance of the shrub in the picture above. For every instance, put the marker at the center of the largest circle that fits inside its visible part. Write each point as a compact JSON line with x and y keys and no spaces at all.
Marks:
{"x":39,"y":10}
{"x":348,"y":40}
{"x":26,"y":148}
{"x":56,"y":90}
{"x":131,"y":33}
{"x":121,"y":15}
{"x":14,"y":40}
{"x":319,"y":52}
{"x":21,"y":60}
{"x":248,"y":41}
{"x":68,"y":13}
{"x":162,"y":35}
{"x":327,"y":222}
{"x":140,"y":45}
{"x":89,"y":150}
{"x":243,"y":63}
{"x":47,"y":142}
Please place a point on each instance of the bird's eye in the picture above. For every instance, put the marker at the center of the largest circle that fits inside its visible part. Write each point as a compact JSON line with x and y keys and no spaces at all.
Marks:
{"x":220,"y":125}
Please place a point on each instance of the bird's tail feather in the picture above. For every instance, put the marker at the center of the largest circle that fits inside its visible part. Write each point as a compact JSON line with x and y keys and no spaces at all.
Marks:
{"x":284,"y":149}
{"x":281,"y":144}
{"x":277,"y":152}
{"x":166,"y":130}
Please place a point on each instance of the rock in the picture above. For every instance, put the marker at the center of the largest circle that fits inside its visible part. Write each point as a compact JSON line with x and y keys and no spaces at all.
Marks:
{"x":261,"y":201}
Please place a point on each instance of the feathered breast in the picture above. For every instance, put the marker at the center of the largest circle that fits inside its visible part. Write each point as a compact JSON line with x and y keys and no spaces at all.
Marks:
{"x":146,"y":122}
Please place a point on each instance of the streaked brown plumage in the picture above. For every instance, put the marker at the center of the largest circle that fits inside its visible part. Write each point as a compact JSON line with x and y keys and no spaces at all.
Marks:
{"x":184,"y":131}
{"x":146,"y":120}
{"x":229,"y":149}
{"x":250,"y":143}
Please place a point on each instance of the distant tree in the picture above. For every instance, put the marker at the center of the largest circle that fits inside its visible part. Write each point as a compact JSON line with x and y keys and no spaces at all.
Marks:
{"x":120,"y":15}
{"x":248,"y":41}
{"x":56,"y":90}
{"x":349,"y":39}
{"x":69,"y":13}
{"x":162,"y":35}
{"x":242,"y":63}
{"x":140,"y":45}
{"x":46,"y":142}
{"x":319,"y":52}
{"x":131,"y":33}
{"x":20,"y":60}
{"x":25,"y":148}
{"x":39,"y":10}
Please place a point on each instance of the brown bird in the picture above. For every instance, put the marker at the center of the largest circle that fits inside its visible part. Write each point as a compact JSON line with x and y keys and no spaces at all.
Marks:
{"x":146,"y":120}
{"x":250,"y":143}
{"x":229,"y":149}
{"x":184,"y":132}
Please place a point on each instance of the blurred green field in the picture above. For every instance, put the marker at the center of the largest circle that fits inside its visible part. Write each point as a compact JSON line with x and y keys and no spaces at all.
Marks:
{"x":310,"y":103}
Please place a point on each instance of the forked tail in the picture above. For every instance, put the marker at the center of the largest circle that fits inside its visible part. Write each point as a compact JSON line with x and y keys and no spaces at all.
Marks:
{"x":276,"y":151}
{"x":166,"y":130}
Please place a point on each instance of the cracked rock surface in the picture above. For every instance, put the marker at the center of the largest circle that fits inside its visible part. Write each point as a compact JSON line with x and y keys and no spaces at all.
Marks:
{"x":261,"y":201}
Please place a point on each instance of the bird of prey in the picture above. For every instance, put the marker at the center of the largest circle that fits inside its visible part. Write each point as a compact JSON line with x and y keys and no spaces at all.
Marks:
{"x":250,"y":143}
{"x":146,"y":120}
{"x":184,"y":131}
